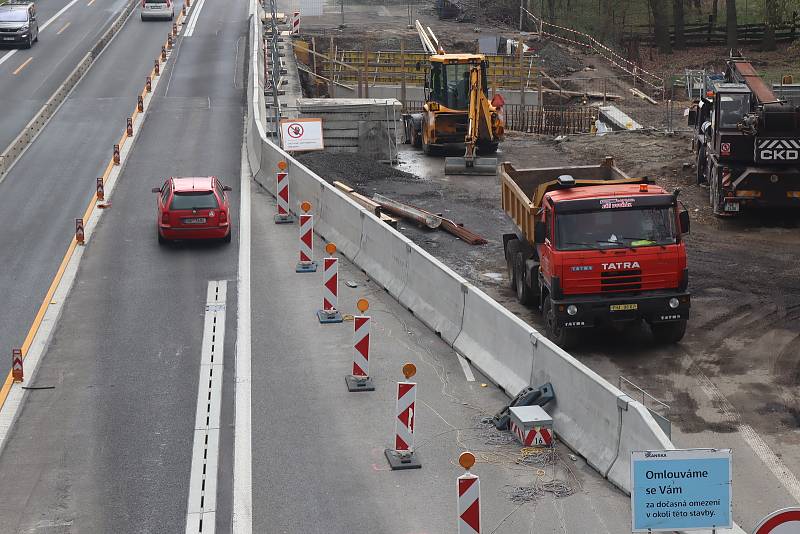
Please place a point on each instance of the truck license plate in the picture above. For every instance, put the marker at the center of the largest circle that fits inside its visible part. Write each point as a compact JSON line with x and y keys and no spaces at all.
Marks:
{"x":731,"y":206}
{"x":624,"y":307}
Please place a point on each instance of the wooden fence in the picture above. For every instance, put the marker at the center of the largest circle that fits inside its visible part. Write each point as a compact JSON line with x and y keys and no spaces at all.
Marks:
{"x":707,"y":33}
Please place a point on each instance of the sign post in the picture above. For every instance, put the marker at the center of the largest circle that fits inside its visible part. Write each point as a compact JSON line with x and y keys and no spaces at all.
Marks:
{"x":300,"y":135}
{"x":681,"y":490}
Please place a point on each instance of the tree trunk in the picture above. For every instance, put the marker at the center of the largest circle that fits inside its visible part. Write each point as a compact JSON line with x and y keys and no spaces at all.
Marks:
{"x":660,"y":26}
{"x":715,"y":10}
{"x":733,"y":38}
{"x":769,"y":25}
{"x":606,"y":21}
{"x":551,"y":9}
{"x":677,"y":17}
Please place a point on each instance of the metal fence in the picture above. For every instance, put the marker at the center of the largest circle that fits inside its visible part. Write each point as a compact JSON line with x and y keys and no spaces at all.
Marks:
{"x":547,"y":120}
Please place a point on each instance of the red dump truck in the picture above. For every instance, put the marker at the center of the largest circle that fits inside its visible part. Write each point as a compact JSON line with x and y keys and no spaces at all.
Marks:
{"x":594,"y":246}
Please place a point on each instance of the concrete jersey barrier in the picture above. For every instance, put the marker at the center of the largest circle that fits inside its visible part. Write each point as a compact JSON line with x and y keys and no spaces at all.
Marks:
{"x":591,"y":416}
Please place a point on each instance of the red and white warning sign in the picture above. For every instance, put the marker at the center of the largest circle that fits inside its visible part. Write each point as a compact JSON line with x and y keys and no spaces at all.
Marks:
{"x":785,"y":521}
{"x":534,"y":436}
{"x":298,"y":135}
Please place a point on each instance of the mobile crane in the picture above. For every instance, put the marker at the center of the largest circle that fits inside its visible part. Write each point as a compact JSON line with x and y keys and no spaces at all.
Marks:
{"x":747,"y":142}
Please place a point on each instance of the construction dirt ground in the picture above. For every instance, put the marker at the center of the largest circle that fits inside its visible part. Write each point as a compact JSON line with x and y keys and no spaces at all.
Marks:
{"x":738,"y":368}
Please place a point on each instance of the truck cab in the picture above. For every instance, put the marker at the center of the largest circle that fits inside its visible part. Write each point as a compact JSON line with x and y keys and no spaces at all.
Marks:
{"x":613,"y":254}
{"x":593,"y":252}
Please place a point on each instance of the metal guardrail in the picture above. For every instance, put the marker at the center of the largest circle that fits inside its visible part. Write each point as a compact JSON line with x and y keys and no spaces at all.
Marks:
{"x":661,"y":417}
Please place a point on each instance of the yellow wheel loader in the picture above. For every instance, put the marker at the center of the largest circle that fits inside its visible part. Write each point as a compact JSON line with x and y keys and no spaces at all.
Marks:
{"x":457,"y":115}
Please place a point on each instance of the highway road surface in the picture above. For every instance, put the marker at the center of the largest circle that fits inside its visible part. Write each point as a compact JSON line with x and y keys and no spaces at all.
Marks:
{"x":68,"y":30}
{"x":134,"y":414}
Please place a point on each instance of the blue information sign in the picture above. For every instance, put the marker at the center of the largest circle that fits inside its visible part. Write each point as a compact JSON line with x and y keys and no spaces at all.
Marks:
{"x":681,"y":489}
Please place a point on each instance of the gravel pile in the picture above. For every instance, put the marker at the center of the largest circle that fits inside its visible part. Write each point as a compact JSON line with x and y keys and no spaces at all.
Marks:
{"x":351,"y":168}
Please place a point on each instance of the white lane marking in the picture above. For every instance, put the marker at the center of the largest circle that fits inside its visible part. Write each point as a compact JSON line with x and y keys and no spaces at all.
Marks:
{"x":54,"y":17}
{"x":242,"y":444}
{"x":202,"y":504}
{"x":750,"y":436}
{"x":467,"y":369}
{"x":193,"y":19}
{"x":41,"y":28}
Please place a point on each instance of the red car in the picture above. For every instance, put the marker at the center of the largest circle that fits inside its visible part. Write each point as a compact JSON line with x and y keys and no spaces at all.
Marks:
{"x":193,"y":208}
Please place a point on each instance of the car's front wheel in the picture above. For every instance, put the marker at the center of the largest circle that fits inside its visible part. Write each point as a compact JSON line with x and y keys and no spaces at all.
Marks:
{"x":29,"y":42}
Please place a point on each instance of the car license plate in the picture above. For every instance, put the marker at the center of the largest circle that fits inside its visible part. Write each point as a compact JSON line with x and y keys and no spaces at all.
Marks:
{"x":624,"y":307}
{"x":731,"y":206}
{"x":8,"y":38}
{"x":195,"y":220}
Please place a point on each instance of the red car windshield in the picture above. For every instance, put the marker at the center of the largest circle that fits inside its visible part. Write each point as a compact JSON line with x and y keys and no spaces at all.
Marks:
{"x":188,"y":200}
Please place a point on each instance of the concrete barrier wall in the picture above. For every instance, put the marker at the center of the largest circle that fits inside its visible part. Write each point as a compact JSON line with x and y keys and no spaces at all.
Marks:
{"x":383,"y":254}
{"x":340,"y":222}
{"x":585,"y":412}
{"x":497,"y":342}
{"x":435,"y":293}
{"x":591,"y":416}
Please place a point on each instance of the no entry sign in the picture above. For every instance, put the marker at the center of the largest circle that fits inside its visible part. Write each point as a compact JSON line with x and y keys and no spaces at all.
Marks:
{"x":298,"y":135}
{"x":786,"y":521}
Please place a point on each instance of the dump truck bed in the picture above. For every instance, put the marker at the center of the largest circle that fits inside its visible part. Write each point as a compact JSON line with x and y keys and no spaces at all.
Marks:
{"x":522,"y":190}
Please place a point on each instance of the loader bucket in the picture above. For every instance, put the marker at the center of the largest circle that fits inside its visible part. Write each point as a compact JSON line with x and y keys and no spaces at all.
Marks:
{"x":480,"y":167}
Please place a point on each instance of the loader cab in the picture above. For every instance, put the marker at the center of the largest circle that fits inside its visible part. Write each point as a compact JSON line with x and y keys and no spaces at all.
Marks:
{"x":448,"y":81}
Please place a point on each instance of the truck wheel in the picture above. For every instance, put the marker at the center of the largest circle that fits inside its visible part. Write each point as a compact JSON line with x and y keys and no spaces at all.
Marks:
{"x":668,"y":333}
{"x":524,"y":293}
{"x":559,"y":335}
{"x":714,"y":197}
{"x":416,"y":137}
{"x":511,"y":253}
{"x":701,"y":165}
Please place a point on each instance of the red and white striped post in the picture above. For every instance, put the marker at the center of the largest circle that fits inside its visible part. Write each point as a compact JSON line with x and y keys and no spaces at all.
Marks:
{"x":284,"y":216}
{"x":296,"y":23}
{"x":360,"y":380}
{"x":306,"y":263}
{"x":402,"y":456}
{"x":469,"y":497}
{"x":16,"y":365}
{"x":330,"y":288}
{"x":80,"y":235}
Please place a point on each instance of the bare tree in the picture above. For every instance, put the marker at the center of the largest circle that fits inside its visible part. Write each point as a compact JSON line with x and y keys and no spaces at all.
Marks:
{"x":772,"y":18}
{"x":678,"y":20}
{"x":660,"y":26}
{"x":733,"y":38}
{"x":714,"y":10}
